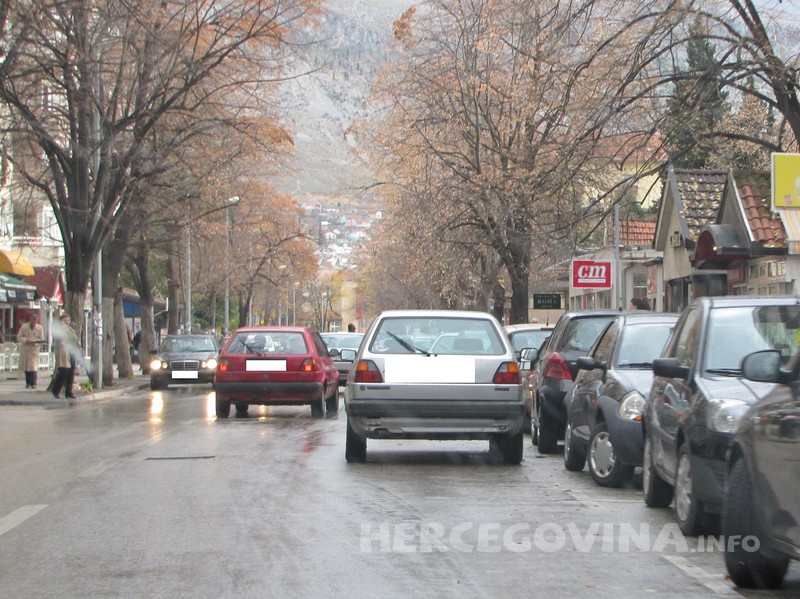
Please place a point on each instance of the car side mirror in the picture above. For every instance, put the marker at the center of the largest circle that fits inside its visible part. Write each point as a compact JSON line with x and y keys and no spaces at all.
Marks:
{"x":528,"y":355}
{"x":670,"y":368}
{"x":589,"y":363}
{"x":765,"y":367}
{"x":347,"y":355}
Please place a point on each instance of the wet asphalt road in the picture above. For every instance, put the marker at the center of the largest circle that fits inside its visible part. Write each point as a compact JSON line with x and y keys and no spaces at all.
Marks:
{"x":149,"y":496}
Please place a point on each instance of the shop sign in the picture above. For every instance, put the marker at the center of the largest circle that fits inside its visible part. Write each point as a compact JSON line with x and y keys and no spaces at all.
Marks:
{"x":591,"y":274}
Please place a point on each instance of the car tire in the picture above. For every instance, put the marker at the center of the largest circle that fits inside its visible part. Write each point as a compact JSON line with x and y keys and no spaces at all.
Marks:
{"x":605,"y":468}
{"x":511,"y":448}
{"x":332,"y":403}
{"x":318,"y":406}
{"x":223,"y":408}
{"x":748,"y":569}
{"x":355,"y":451}
{"x":241,"y":410}
{"x":526,"y":424}
{"x":574,"y":452}
{"x":657,"y":491}
{"x":689,"y":511}
{"x":548,"y":436}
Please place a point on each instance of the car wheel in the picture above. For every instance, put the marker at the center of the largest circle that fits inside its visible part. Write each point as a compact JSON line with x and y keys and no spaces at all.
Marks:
{"x":574,"y":453}
{"x":223,"y":408}
{"x":548,"y":436}
{"x":689,"y":510}
{"x":606,"y":470}
{"x":332,"y":403}
{"x":355,"y":450}
{"x":657,"y":492}
{"x":318,"y":406}
{"x":241,"y":410}
{"x":749,"y":569}
{"x":511,"y":448}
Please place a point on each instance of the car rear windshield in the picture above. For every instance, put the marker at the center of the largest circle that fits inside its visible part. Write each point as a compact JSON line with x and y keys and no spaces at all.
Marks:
{"x":335,"y":341}
{"x":258,"y":343}
{"x":473,"y":336}
{"x":525,"y":339}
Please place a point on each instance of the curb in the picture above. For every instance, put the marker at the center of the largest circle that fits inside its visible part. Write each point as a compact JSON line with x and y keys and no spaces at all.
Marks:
{"x":51,"y":402}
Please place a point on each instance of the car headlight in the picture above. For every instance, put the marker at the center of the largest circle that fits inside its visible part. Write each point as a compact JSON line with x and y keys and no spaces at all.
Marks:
{"x":211,"y":363}
{"x":632,"y":406}
{"x":723,"y":415}
{"x":155,"y":364}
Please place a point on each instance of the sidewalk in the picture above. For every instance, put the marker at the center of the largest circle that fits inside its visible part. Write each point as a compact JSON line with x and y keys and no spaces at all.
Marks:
{"x":14,"y":393}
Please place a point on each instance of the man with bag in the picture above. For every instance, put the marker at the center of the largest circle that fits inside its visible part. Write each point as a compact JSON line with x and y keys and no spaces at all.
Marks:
{"x":66,"y":344}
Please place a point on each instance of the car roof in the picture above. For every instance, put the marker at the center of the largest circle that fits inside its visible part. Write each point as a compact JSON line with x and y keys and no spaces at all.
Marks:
{"x":529,"y":326}
{"x":338,"y":333}
{"x":649,"y":316}
{"x":275,"y":328}
{"x":748,"y":300}
{"x":435,"y":314}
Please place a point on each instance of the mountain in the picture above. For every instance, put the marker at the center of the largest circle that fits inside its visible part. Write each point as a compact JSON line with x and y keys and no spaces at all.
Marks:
{"x":335,"y":76}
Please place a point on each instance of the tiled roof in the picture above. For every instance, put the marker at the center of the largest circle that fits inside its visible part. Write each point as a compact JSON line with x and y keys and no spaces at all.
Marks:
{"x":755,"y":193}
{"x":701,"y":193}
{"x":636,"y":232}
{"x":47,"y":280}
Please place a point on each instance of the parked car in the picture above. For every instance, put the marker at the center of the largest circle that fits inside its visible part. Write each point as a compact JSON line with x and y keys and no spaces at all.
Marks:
{"x":527,"y":335}
{"x":342,"y":348}
{"x":399,"y":390}
{"x":698,"y":398}
{"x":604,"y":413}
{"x":267,"y":365}
{"x":763,"y":477}
{"x":182,"y":359}
{"x":553,"y":368}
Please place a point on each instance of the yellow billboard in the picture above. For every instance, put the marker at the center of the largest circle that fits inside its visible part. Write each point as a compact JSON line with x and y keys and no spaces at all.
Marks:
{"x":785,"y":181}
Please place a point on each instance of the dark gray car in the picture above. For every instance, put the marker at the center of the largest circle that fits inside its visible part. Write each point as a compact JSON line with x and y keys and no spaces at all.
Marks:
{"x":184,"y":359}
{"x":604,"y":424}
{"x":762,"y":496}
{"x":699,"y":396}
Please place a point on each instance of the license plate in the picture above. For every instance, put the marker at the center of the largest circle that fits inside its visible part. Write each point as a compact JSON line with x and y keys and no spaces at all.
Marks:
{"x":184,"y":374}
{"x":266,"y":366}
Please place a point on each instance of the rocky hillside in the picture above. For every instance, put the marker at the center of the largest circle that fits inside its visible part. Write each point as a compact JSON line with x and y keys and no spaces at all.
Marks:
{"x":350,"y":48}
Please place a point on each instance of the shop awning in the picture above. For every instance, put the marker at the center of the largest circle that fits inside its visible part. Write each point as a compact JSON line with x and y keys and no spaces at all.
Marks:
{"x":17,"y":291}
{"x":14,"y":263}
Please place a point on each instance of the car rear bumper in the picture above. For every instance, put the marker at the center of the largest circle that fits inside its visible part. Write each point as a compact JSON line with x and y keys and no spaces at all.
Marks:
{"x":268,"y":392}
{"x":431,"y":419}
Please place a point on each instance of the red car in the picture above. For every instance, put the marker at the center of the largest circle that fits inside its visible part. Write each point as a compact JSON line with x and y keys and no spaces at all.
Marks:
{"x":276,"y":366}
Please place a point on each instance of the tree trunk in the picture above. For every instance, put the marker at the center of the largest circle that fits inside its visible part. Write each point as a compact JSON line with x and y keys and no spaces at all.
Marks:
{"x":173,"y":287}
{"x":122,"y":350}
{"x":142,"y":278}
{"x":212,"y":305}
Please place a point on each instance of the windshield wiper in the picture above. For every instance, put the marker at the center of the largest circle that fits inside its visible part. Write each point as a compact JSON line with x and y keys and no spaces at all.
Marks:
{"x":407,"y":345}
{"x":252,"y":350}
{"x":725,"y":371}
{"x":635,"y":365}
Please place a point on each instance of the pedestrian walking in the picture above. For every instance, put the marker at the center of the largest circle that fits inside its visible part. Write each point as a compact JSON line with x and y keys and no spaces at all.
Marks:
{"x":66,"y":345}
{"x":31,"y":335}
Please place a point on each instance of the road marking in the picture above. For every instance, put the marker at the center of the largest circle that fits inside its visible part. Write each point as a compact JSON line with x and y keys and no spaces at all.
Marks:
{"x":98,"y":469}
{"x":19,"y":516}
{"x":582,"y":498}
{"x":710,"y":581}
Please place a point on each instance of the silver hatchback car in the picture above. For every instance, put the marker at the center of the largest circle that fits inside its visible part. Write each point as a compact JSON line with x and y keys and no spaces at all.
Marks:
{"x":465,"y":386}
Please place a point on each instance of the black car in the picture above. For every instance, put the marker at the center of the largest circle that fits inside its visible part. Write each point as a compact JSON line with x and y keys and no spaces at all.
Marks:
{"x":762,"y":495}
{"x":604,"y":421}
{"x":182,"y":359}
{"x":698,"y":398}
{"x":553,"y":369}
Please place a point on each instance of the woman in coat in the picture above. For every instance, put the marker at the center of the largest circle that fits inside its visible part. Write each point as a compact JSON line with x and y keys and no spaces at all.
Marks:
{"x":31,"y":335}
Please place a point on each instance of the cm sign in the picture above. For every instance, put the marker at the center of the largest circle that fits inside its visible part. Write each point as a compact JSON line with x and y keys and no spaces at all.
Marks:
{"x":588,"y":273}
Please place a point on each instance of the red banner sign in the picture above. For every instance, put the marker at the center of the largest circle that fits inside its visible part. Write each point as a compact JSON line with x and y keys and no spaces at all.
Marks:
{"x":588,"y":273}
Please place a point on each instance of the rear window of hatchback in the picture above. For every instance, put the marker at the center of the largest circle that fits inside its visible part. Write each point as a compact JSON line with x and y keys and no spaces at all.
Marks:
{"x":470,"y":336}
{"x":248,"y":343}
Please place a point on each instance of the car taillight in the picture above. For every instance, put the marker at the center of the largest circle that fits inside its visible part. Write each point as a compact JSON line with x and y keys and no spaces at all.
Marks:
{"x":308,"y":365}
{"x":367,"y":372}
{"x":556,"y":367}
{"x":223,"y":366}
{"x":507,"y":374}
